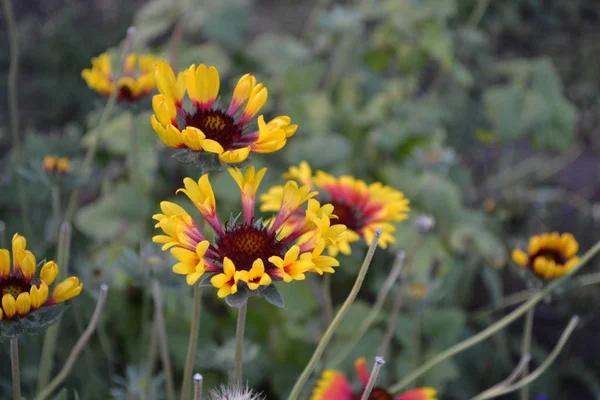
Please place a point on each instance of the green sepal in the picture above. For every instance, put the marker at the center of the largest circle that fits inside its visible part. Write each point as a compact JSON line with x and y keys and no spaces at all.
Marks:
{"x":239,"y":298}
{"x":271,"y":294}
{"x":33,"y":323}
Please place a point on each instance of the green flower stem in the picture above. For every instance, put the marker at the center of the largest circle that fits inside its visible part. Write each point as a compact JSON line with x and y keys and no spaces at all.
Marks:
{"x":14,"y":366}
{"x":13,"y":71}
{"x":526,"y":348}
{"x":518,"y":371}
{"x":336,"y":321}
{"x":162,"y":339}
{"x":239,"y":345}
{"x":374,"y":313}
{"x":152,"y":353}
{"x":97,"y":134}
{"x":501,"y":324}
{"x":519,"y":297}
{"x":379,"y":361}
{"x":197,"y":387}
{"x":51,"y":337}
{"x":540,"y":370}
{"x":192,"y":343}
{"x":55,"y":192}
{"x":77,"y":349}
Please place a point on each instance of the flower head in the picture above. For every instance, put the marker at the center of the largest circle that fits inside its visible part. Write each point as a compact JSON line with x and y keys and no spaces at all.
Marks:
{"x":53,"y":165}
{"x":362,"y":208}
{"x":137,"y":80}
{"x":247,"y":249}
{"x":21,"y":293}
{"x":207,"y":127}
{"x":333,"y":385}
{"x":549,"y":255}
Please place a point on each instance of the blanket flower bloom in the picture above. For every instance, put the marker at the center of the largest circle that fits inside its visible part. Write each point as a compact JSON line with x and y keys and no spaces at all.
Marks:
{"x":53,"y":164}
{"x":333,"y":385}
{"x":21,"y":292}
{"x":362,"y":208}
{"x":137,"y":80}
{"x":209,"y":128}
{"x":247,"y":249}
{"x":549,"y":255}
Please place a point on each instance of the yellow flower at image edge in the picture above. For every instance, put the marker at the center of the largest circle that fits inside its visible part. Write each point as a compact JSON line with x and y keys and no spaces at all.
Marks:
{"x":225,"y":132}
{"x":362,"y":208}
{"x":21,"y":292}
{"x":333,"y":385}
{"x":137,"y":80}
{"x":549,"y":255}
{"x":247,"y":249}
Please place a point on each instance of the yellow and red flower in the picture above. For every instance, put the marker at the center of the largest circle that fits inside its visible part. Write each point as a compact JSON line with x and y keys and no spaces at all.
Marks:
{"x":549,"y":255}
{"x":333,"y":385}
{"x":21,"y":292}
{"x":53,"y":164}
{"x":248,"y":250}
{"x":362,"y":208}
{"x":137,"y":80}
{"x":207,"y":127}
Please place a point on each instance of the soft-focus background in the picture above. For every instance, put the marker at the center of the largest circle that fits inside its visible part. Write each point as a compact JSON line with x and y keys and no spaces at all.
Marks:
{"x":485,"y":113}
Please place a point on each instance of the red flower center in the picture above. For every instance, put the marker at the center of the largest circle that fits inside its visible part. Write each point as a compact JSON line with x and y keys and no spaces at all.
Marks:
{"x":376,"y":394}
{"x":348,"y":215}
{"x":14,"y":286}
{"x":216,"y":125}
{"x":243,"y":244}
{"x":550,"y":254}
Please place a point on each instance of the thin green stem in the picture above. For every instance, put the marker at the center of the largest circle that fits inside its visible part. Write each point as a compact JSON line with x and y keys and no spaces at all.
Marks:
{"x":55,"y":192}
{"x":152,"y":353}
{"x":239,"y":345}
{"x":97,"y":134}
{"x":374,"y":313}
{"x":162,"y":339}
{"x":518,"y":371}
{"x":13,"y":72}
{"x":526,"y":348}
{"x":51,"y":337}
{"x":14,"y":366}
{"x":77,"y":349}
{"x":501,"y":324}
{"x":192,"y":343}
{"x":327,"y":297}
{"x":379,"y":361}
{"x":477,"y":14}
{"x":295,"y":393}
{"x":197,"y":387}
{"x":540,"y":370}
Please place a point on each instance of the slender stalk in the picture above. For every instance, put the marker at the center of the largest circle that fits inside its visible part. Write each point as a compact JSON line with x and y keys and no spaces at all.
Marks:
{"x":197,"y":387}
{"x":134,"y":153}
{"x":89,"y":157}
{"x":477,"y":14}
{"x":151,"y":360}
{"x":162,"y":339}
{"x":13,"y":72}
{"x":526,"y":348}
{"x":14,"y":366}
{"x":518,"y":371}
{"x":501,"y":324}
{"x":336,"y":321}
{"x":374,"y":313}
{"x":192,"y":343}
{"x":239,"y":346}
{"x":55,"y":192}
{"x":326,"y":286}
{"x":77,"y":349}
{"x":379,"y":361}
{"x":51,"y":337}
{"x":540,"y":370}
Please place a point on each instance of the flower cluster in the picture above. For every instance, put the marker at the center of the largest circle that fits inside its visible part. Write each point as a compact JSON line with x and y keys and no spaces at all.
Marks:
{"x":549,"y":255}
{"x":333,"y":385}
{"x":53,"y":164}
{"x":208,"y":128}
{"x":23,"y":293}
{"x":362,"y":208}
{"x":137,"y":80}
{"x":247,"y":249}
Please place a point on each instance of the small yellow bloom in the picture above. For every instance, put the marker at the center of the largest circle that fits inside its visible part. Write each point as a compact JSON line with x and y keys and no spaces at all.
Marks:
{"x":191,"y":263}
{"x":53,"y":164}
{"x":550,"y":255}
{"x":256,"y":276}
{"x":291,"y":267}
{"x":137,"y":80}
{"x":63,"y":164}
{"x":248,"y":183}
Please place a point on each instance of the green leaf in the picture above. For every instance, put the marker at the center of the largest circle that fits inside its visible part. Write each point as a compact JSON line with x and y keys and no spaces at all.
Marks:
{"x":33,"y":323}
{"x":443,"y":328}
{"x":504,"y":106}
{"x":116,"y":215}
{"x":545,"y":80}
{"x":238,"y":299}
{"x":272,"y":295}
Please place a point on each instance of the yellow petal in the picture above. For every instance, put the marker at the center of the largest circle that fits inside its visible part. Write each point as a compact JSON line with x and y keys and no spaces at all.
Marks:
{"x":9,"y":305}
{"x":66,"y":290}
{"x":49,"y":272}
{"x":23,"y":303}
